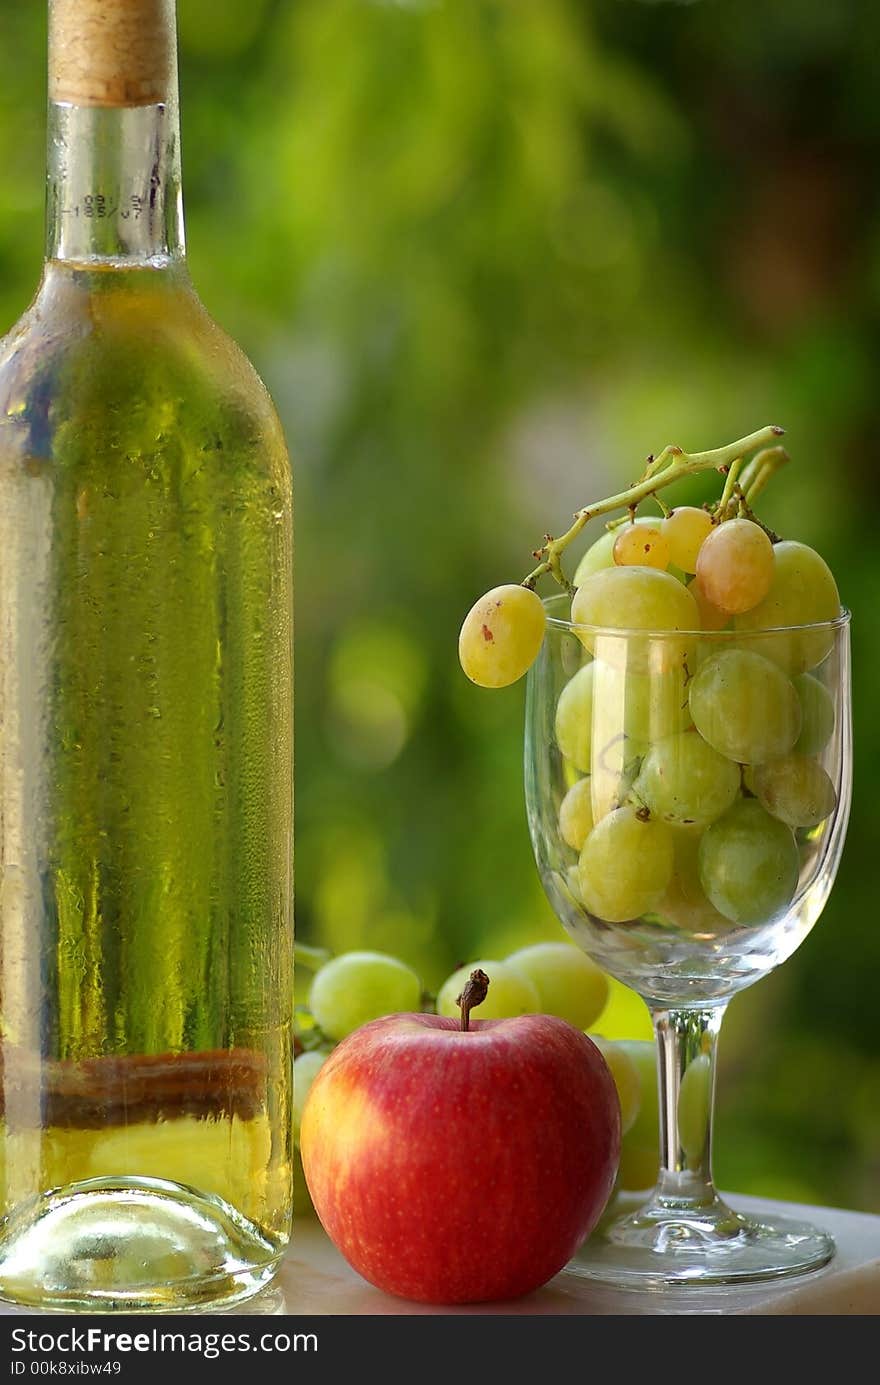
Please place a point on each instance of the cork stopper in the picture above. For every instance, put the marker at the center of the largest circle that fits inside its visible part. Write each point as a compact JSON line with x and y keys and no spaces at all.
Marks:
{"x":111,"y":52}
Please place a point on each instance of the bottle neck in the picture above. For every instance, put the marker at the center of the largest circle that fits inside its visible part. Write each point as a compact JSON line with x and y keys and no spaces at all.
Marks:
{"x":113,"y":189}
{"x":113,"y":184}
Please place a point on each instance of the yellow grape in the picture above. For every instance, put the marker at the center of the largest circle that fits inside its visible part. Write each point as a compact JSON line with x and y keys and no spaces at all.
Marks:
{"x":745,"y":707}
{"x":568,"y":983}
{"x":621,"y":603}
{"x":735,"y":566}
{"x":510,"y":992}
{"x":685,"y":530}
{"x":305,"y":1069}
{"x":656,"y":705}
{"x":631,"y":710}
{"x":685,"y":902}
{"x":684,"y":780}
{"x":694,"y":1105}
{"x":625,"y":865}
{"x":574,"y":718}
{"x":643,"y":545}
{"x":817,"y":707}
{"x":711,"y":618}
{"x":803,"y":592}
{"x":573,"y":885}
{"x":796,"y":790}
{"x":501,"y":636}
{"x":639,"y":1149}
{"x":627,"y":1079}
{"x":699,"y":918}
{"x":600,"y":554}
{"x":633,"y":598}
{"x":576,"y":815}
{"x":615,"y":750}
{"x":360,"y":986}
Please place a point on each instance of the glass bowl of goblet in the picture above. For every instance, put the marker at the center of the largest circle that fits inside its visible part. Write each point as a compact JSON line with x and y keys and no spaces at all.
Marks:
{"x":688,"y":796}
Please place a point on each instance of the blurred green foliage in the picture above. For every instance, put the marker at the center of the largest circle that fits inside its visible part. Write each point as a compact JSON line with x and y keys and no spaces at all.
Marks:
{"x":488,"y":254}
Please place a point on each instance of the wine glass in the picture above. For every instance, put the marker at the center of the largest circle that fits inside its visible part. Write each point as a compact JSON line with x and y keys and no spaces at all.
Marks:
{"x":688,"y":796}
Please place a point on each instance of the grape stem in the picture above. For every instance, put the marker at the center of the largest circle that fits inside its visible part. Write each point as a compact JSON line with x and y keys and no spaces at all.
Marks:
{"x":474,"y":993}
{"x":669,"y":466}
{"x":729,"y":485}
{"x":745,"y":511}
{"x":766,"y":464}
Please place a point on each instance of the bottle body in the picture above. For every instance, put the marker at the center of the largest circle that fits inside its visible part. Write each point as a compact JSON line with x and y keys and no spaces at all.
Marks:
{"x":145,"y":798}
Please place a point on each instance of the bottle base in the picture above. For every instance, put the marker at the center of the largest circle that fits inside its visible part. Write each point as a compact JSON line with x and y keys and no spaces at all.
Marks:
{"x":132,"y":1245}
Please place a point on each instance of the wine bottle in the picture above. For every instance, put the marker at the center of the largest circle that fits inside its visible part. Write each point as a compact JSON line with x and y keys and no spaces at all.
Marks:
{"x":145,"y":730}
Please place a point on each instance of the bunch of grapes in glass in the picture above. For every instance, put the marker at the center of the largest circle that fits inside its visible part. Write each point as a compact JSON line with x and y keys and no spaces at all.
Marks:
{"x":688,"y":765}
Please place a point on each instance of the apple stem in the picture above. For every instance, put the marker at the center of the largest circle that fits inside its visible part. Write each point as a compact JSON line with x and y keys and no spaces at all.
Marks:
{"x":474,"y":994}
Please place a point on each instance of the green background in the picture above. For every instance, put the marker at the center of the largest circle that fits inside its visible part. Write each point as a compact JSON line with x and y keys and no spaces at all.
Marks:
{"x":488,"y":254}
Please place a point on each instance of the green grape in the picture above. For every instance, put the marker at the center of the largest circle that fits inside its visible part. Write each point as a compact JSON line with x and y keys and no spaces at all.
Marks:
{"x":711,"y":618}
{"x":627,"y":1079}
{"x":803,"y":592}
{"x":684,"y":780}
{"x":614,"y":770}
{"x":601,"y":553}
{"x":625,"y":865}
{"x":573,"y":884}
{"x":796,"y":790}
{"x":745,"y":707}
{"x":356,"y":987}
{"x":634,"y":598}
{"x":574,"y":718}
{"x":686,"y":528}
{"x":640,"y":1146}
{"x":700,"y":918}
{"x":644,"y":545}
{"x":569,"y":985}
{"x":302,"y":1203}
{"x":626,"y":1016}
{"x":576,"y":815}
{"x":654,"y":706}
{"x":685,"y":903}
{"x":510,"y":993}
{"x":629,"y":711}
{"x":817,"y":714}
{"x":694,"y":1103}
{"x":749,"y":864}
{"x":686,"y":848}
{"x":735,"y":566}
{"x":501,"y":636}
{"x":305,"y":1069}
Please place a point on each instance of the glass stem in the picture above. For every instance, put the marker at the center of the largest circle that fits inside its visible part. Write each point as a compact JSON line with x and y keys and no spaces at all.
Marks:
{"x":686,"y":1044}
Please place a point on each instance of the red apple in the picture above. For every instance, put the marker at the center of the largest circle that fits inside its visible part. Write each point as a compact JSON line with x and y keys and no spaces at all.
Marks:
{"x":453,"y":1166}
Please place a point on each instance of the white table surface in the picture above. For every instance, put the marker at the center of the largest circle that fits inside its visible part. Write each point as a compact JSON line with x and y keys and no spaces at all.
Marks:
{"x":315,"y":1279}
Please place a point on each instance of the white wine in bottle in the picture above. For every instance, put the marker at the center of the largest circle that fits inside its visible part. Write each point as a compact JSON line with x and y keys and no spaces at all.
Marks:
{"x":145,"y":731}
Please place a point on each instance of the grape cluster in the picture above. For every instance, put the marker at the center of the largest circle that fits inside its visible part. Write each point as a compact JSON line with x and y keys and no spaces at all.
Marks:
{"x":688,"y":569}
{"x":693,"y":761}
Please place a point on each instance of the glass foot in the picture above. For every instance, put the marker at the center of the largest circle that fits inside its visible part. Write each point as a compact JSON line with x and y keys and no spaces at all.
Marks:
{"x":661,"y":1244}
